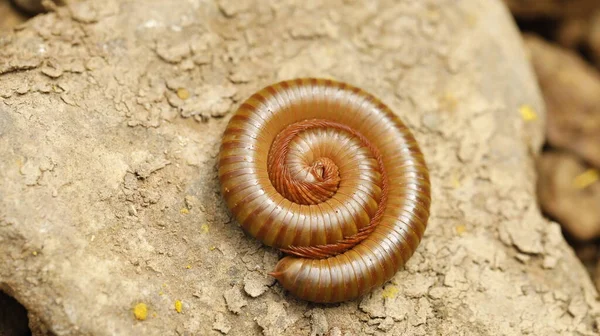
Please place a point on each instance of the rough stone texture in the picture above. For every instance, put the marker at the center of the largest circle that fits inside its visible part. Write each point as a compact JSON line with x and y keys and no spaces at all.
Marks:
{"x":234,"y":299}
{"x":111,"y":114}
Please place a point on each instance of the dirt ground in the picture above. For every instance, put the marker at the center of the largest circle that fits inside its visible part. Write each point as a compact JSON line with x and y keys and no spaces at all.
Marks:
{"x":111,"y":115}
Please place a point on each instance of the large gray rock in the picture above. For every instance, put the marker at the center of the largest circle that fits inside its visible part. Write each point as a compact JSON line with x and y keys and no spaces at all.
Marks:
{"x":111,"y":114}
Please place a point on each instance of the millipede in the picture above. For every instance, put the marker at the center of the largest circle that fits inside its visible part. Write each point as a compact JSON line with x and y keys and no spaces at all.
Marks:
{"x":328,"y":174}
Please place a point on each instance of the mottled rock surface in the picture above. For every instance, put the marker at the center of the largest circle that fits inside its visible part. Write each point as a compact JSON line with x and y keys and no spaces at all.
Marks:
{"x":111,"y":114}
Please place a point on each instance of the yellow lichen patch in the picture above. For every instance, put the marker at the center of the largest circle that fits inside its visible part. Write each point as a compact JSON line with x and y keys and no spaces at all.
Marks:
{"x":178,"y":306}
{"x":586,"y":178}
{"x":433,"y":14}
{"x":454,"y":181}
{"x":390,"y":292}
{"x":204,"y":228}
{"x":183,"y":94}
{"x":472,"y":20}
{"x":460,"y":229}
{"x":140,"y":311}
{"x":184,"y":211}
{"x":448,"y":102}
{"x":527,"y":113}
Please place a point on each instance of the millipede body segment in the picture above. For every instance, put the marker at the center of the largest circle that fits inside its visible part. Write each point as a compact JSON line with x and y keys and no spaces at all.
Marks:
{"x":327,"y":173}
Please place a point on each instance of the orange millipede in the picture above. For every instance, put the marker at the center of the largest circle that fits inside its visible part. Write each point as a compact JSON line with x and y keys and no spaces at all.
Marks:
{"x":325,"y":172}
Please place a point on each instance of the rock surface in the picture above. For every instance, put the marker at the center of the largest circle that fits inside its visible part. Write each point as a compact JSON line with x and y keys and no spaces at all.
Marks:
{"x":571,"y":89}
{"x":593,"y":37}
{"x":552,"y":8}
{"x":110,"y":121}
{"x":570,"y":192}
{"x":10,"y":16}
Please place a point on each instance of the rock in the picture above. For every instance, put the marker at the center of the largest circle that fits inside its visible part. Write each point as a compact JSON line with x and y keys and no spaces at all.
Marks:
{"x":386,"y":324}
{"x":568,"y":195}
{"x":335,"y":331}
{"x":30,"y":6}
{"x":221,"y":324}
{"x":594,"y":37}
{"x":275,"y":320}
{"x":10,"y":16}
{"x":318,"y":322}
{"x":570,"y":87}
{"x":526,"y":233}
{"x":373,"y":305}
{"x":234,"y":299}
{"x":596,"y":275}
{"x":80,"y":151}
{"x":573,"y":32}
{"x":256,"y":284}
{"x":573,"y":25}
{"x":552,"y":8}
{"x":587,"y":252}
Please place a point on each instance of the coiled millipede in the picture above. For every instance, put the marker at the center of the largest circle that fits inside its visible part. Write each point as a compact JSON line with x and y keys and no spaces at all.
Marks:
{"x":327,"y":173}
